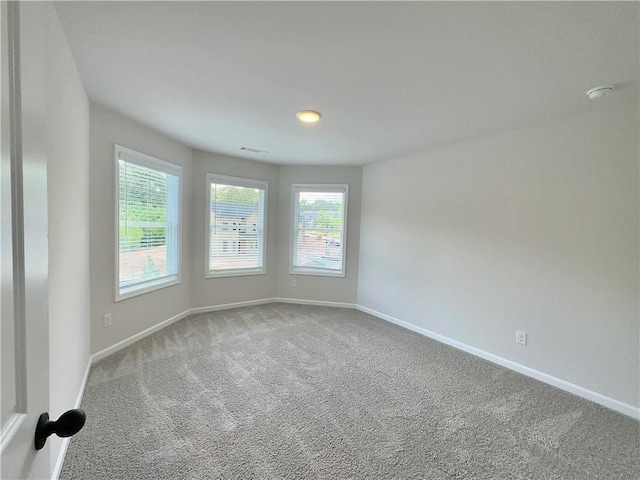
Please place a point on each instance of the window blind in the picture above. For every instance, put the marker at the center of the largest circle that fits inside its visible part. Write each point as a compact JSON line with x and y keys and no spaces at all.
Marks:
{"x":236,"y":226}
{"x":319,"y":221}
{"x":148,"y":223}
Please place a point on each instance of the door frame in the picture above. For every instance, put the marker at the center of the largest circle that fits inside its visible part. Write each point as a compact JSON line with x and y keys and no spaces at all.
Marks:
{"x":23,"y":32}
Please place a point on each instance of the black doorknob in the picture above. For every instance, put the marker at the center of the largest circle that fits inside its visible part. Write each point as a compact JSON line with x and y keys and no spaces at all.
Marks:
{"x":69,"y":423}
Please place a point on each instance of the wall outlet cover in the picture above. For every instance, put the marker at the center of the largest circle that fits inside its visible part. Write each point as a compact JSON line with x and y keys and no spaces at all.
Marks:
{"x":521,"y":337}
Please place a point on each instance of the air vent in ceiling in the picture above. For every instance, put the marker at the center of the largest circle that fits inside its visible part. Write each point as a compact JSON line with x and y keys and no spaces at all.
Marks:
{"x":252,"y":150}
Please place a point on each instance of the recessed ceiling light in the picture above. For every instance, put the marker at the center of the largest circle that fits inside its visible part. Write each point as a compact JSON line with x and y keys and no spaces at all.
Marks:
{"x":308,"y":116}
{"x":597,"y":92}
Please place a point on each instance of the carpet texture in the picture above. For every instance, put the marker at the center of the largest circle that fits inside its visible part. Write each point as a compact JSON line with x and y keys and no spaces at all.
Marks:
{"x":284,"y":391}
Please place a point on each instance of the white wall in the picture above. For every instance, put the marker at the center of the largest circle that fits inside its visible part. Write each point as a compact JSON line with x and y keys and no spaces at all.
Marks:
{"x":135,"y":314}
{"x":535,"y":230}
{"x":67,"y":137}
{"x":218,"y":291}
{"x":332,"y":289}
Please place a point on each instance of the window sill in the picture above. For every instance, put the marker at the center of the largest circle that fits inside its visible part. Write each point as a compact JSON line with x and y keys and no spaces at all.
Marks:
{"x":134,"y":291}
{"x":234,"y":273}
{"x":316,"y":272}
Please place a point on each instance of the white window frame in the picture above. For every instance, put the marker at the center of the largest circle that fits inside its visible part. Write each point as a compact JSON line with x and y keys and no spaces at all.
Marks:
{"x":236,"y":182}
{"x":147,"y":161}
{"x":296,"y":188}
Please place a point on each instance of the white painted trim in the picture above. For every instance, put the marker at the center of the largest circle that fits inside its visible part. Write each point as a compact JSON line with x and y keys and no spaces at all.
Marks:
{"x":238,"y":182}
{"x":296,"y":188}
{"x":138,"y":336}
{"x":211,"y":308}
{"x":317,"y":303}
{"x":582,"y":392}
{"x":618,"y":406}
{"x":263,"y":301}
{"x":613,"y":404}
{"x":147,"y":161}
{"x":65,"y":441}
{"x":152,"y":286}
{"x":10,"y":428}
{"x":227,"y":306}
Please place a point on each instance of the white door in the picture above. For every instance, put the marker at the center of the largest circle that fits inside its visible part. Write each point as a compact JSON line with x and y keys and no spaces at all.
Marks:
{"x":23,"y":202}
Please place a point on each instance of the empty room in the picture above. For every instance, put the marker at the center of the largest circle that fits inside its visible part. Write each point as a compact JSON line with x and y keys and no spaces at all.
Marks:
{"x":320,"y":240}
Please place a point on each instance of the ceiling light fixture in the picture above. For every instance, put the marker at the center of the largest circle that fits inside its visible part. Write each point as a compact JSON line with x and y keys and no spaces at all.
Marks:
{"x":597,"y":92}
{"x":308,"y":116}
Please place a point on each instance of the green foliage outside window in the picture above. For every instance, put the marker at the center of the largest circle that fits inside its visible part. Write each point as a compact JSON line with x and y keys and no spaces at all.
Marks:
{"x":329,"y":215}
{"x":236,"y":195}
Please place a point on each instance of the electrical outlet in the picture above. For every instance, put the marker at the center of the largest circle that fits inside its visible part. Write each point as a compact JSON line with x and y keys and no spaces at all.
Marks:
{"x":521,"y":337}
{"x":294,"y":283}
{"x":108,"y":320}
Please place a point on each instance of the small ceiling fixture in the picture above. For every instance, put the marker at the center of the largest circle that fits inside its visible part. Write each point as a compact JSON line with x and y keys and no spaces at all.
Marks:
{"x":597,"y":92}
{"x":308,"y":116}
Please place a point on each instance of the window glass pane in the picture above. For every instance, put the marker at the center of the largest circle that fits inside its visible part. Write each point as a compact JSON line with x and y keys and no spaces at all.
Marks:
{"x":236,"y":226}
{"x":148,"y":211}
{"x":319,"y":225}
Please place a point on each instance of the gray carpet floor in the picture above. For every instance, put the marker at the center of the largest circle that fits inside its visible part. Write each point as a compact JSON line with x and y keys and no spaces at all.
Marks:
{"x":285,"y":391}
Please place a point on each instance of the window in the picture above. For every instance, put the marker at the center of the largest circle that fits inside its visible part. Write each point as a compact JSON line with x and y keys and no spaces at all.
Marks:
{"x":148,"y":218}
{"x":236,"y":220}
{"x":319,"y":229}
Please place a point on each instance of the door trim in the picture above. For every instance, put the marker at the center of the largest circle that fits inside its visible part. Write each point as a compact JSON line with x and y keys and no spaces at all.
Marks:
{"x":10,"y":428}
{"x":14,"y":422}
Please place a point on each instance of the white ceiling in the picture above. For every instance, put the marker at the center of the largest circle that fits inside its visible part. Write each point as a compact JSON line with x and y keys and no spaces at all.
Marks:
{"x":390,"y":78}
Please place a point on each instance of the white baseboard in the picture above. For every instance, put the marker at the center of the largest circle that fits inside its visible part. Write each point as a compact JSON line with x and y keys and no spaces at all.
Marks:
{"x":613,"y":404}
{"x":138,"y":336}
{"x":227,"y":306}
{"x":65,"y":441}
{"x":624,"y":408}
{"x":211,"y":308}
{"x":263,"y":301}
{"x":317,"y":303}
